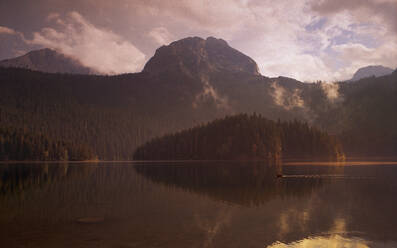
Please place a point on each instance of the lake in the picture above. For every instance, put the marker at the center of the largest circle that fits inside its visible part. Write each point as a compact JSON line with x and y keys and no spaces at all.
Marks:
{"x":198,"y":204}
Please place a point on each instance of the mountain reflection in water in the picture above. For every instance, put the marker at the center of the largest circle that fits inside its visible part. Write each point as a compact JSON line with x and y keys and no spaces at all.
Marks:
{"x":208,"y":204}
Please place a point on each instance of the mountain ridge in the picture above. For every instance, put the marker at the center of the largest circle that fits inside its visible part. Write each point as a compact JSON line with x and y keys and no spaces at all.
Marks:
{"x":47,"y":60}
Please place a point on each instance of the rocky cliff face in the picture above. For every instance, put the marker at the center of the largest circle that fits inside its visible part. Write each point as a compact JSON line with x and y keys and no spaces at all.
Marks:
{"x":195,"y":55}
{"x":47,"y":60}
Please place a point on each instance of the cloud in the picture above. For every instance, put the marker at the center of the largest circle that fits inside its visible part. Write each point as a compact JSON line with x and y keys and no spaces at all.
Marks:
{"x":301,"y":39}
{"x":205,"y":14}
{"x":286,"y":99}
{"x":270,"y":32}
{"x":97,"y":48}
{"x":331,"y":90}
{"x":53,"y":16}
{"x":160,"y":35}
{"x":209,"y":93}
{"x":360,"y":56}
{"x":365,"y":34}
{"x":5,"y":30}
{"x":382,"y":11}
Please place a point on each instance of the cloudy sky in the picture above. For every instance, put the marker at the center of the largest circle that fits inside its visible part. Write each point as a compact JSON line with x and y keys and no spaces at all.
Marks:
{"x":304,"y":39}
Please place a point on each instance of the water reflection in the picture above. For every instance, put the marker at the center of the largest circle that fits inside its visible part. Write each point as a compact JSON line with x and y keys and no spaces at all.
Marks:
{"x":197,"y":205}
{"x":17,"y":178}
{"x":242,"y":183}
{"x":335,"y":241}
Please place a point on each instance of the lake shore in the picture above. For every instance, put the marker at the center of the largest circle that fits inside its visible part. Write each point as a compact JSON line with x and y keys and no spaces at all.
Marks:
{"x":349,"y":161}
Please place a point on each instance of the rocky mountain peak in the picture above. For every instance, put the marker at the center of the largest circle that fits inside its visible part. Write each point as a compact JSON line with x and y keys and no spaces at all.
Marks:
{"x":196,"y":55}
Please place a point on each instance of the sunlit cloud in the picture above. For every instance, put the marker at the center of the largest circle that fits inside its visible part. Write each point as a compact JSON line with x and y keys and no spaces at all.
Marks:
{"x":286,"y":99}
{"x":95,"y":47}
{"x":331,"y":91}
{"x":160,"y":35}
{"x":294,"y":39}
{"x":5,"y":30}
{"x":308,"y":40}
{"x":210,"y":93}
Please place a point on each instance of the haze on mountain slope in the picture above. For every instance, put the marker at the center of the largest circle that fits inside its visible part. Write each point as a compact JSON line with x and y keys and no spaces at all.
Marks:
{"x":47,"y":60}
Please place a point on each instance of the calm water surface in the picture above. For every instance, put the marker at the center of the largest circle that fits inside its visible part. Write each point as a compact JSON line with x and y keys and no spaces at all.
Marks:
{"x":198,"y":205}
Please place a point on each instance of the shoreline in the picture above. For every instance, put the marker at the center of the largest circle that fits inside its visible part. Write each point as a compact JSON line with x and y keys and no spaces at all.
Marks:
{"x":348,"y":162}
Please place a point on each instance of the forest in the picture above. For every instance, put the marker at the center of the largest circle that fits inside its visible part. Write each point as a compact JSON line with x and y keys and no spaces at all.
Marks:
{"x":243,"y":137}
{"x":114,"y":115}
{"x":99,"y":111}
{"x":19,"y":145}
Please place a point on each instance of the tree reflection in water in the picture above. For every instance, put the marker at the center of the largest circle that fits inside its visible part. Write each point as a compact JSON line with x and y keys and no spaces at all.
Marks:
{"x":241,"y":183}
{"x":197,"y":204}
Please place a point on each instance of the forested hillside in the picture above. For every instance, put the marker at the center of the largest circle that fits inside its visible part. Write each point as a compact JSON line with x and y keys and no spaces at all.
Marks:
{"x":370,"y":116}
{"x":203,"y":80}
{"x":115,"y":114}
{"x":111,"y":114}
{"x":243,"y":137}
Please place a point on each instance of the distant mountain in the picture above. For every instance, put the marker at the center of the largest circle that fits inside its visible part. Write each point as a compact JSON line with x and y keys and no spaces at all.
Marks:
{"x":47,"y":60}
{"x":196,"y":55}
{"x":370,"y":71}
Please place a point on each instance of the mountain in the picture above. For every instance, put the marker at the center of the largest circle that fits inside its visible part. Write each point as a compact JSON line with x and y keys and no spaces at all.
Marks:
{"x":196,"y":55}
{"x":47,"y":60}
{"x":371,"y":71}
{"x":191,"y":82}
